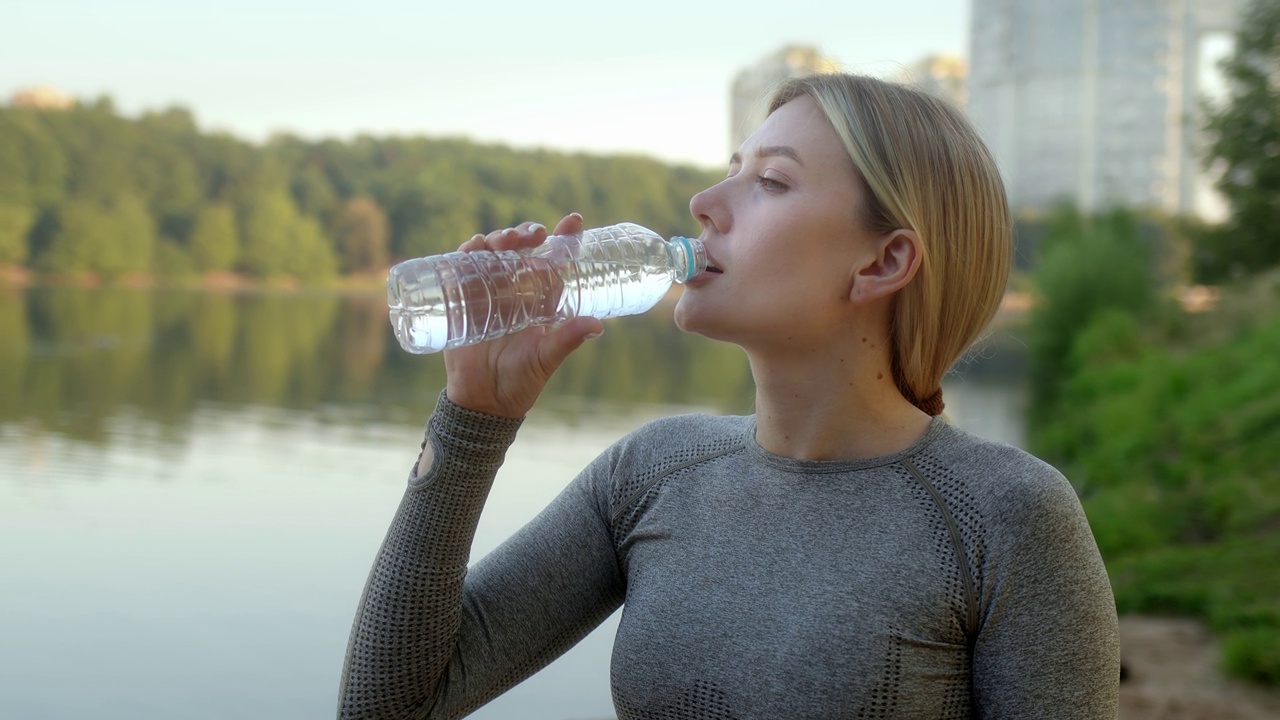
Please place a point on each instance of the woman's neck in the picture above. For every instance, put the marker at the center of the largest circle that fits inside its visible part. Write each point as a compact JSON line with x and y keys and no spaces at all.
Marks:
{"x":836,"y":404}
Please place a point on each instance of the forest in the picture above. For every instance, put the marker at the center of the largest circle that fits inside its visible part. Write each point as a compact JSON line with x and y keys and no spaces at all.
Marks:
{"x":87,"y":194}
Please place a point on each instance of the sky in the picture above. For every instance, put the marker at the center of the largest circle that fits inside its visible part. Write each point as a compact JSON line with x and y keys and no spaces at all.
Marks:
{"x":604,"y":77}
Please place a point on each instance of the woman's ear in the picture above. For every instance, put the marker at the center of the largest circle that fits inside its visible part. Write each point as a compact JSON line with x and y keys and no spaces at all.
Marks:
{"x":895,"y":258}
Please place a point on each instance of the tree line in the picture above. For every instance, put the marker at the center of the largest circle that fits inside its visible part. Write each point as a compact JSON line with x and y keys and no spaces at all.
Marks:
{"x":87,"y":191}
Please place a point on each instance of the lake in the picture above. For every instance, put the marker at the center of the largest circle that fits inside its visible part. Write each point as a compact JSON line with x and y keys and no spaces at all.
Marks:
{"x":193,"y":486}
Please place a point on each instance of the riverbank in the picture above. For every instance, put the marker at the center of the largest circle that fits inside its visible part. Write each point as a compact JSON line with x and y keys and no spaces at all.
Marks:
{"x":1173,"y":672}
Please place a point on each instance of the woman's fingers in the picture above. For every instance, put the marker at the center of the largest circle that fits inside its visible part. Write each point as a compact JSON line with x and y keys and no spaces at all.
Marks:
{"x":571,"y":224}
{"x":524,"y":235}
{"x":506,"y":375}
{"x":477,"y":242}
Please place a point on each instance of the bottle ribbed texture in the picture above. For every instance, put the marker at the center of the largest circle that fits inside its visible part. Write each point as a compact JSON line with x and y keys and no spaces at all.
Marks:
{"x":456,"y":299}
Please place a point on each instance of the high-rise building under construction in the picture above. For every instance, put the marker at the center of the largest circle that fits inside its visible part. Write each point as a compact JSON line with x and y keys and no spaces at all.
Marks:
{"x":1098,"y":102}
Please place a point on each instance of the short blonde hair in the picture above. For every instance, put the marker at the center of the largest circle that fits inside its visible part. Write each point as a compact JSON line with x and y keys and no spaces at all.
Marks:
{"x":924,"y":168}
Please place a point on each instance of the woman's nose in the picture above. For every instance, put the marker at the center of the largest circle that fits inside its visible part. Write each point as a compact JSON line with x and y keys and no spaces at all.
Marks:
{"x":706,"y":209}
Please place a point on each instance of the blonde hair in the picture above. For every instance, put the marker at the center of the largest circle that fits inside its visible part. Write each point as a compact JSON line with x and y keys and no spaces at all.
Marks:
{"x":924,"y":168}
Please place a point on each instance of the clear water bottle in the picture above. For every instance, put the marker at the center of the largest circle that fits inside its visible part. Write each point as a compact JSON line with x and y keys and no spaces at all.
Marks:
{"x":446,"y":301}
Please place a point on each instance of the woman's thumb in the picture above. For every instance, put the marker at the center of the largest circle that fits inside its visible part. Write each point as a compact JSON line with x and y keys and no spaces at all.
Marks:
{"x":567,"y":338}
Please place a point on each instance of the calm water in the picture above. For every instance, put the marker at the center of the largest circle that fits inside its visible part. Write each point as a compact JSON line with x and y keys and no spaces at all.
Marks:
{"x":193,"y":487}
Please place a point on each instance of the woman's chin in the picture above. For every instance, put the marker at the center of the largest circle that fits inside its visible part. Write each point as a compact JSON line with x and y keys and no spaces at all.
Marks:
{"x":691,"y":320}
{"x":685,"y":316}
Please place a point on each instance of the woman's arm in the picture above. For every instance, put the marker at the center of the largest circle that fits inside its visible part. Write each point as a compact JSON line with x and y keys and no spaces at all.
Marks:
{"x":1048,"y":645}
{"x":430,"y":635}
{"x":432,"y":639}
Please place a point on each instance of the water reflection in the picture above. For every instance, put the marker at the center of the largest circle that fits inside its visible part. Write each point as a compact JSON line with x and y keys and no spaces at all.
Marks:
{"x":193,"y":485}
{"x":72,"y":358}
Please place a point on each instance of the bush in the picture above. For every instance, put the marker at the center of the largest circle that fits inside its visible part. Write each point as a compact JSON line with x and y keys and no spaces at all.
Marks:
{"x":1090,"y":265}
{"x":1174,"y":449}
{"x":1254,"y":654}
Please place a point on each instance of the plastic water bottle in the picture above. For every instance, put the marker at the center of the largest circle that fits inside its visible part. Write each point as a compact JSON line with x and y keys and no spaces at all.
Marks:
{"x":446,"y":301}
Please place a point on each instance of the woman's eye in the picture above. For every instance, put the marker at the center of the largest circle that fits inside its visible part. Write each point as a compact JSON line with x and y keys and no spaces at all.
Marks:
{"x":769,"y":184}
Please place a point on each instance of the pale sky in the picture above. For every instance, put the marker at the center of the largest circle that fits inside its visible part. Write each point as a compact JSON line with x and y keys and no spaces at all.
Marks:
{"x":598,"y":76}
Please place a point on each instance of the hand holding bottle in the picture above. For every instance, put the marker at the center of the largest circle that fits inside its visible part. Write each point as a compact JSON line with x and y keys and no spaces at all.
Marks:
{"x":506,"y":375}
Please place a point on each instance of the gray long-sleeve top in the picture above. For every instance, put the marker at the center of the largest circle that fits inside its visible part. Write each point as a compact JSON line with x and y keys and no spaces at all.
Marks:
{"x":956,"y":579}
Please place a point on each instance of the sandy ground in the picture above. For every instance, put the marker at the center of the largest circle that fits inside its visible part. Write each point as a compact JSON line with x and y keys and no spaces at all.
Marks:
{"x":1173,"y":674}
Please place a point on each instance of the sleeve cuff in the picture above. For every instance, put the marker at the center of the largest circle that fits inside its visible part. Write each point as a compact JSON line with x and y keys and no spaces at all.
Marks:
{"x":472,"y":442}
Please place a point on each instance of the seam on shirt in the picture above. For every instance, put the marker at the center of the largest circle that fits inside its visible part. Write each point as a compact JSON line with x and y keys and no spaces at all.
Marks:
{"x":639,"y":493}
{"x":966,"y":577}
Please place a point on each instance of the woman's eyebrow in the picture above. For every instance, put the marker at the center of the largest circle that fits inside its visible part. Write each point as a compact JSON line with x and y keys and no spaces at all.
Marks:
{"x":771,"y":151}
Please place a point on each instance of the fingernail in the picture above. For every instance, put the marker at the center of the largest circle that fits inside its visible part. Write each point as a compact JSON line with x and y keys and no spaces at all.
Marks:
{"x":575,"y":216}
{"x":536,"y":227}
{"x":594,"y":335}
{"x":509,"y":232}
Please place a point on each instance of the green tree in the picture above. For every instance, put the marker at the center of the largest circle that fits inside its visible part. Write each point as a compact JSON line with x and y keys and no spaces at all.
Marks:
{"x":362,"y":233}
{"x":109,"y":239}
{"x":312,"y":191}
{"x":15,"y":222}
{"x":171,"y":260}
{"x":429,"y":217}
{"x":1090,"y":265}
{"x":214,"y":244}
{"x":311,"y":256}
{"x":79,"y":227}
{"x":102,"y":148}
{"x":267,"y":233}
{"x":1244,"y":135}
{"x":165,"y":171}
{"x":131,"y":243}
{"x":33,"y":162}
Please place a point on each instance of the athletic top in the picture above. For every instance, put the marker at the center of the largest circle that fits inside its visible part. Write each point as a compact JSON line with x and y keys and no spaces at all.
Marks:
{"x":955,"y":579}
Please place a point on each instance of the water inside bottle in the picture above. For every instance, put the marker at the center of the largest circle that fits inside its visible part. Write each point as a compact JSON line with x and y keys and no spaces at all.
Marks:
{"x":602,"y":289}
{"x":460,"y":299}
{"x":612,"y":289}
{"x":420,"y":332}
{"x":418,"y":318}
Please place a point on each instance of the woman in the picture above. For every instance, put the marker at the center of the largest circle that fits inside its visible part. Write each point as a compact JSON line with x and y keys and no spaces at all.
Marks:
{"x":843,"y":553}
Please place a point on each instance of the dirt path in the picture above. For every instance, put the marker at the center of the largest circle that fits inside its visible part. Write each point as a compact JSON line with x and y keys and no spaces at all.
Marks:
{"x":1173,"y":674}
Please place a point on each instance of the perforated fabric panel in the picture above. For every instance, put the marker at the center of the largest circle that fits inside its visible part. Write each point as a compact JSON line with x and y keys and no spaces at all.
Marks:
{"x":420,"y":569}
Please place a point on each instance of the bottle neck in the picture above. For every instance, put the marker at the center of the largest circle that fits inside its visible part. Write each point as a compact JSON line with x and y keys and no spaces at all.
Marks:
{"x":689,"y":256}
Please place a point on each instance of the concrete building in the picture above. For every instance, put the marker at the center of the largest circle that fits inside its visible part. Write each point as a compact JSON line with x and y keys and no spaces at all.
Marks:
{"x":943,"y":76}
{"x":42,"y":97}
{"x":1096,"y":101}
{"x":752,"y":86}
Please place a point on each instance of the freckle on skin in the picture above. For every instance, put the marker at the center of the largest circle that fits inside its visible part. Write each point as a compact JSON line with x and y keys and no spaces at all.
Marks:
{"x":879,"y":376}
{"x":864,"y":339}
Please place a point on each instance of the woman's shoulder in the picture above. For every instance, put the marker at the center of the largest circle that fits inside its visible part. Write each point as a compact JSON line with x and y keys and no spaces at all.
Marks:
{"x":660,"y":448}
{"x":690,"y":435}
{"x":998,"y":477}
